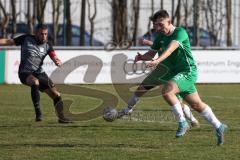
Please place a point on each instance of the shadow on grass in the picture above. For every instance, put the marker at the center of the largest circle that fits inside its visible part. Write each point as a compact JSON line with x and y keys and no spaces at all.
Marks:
{"x":87,"y":145}
{"x":116,"y":127}
{"x":91,"y":127}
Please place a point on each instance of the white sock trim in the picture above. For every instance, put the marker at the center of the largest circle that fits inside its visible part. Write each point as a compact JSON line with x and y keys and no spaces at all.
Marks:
{"x":178,"y":112}
{"x":188,"y":114}
{"x":208,"y":114}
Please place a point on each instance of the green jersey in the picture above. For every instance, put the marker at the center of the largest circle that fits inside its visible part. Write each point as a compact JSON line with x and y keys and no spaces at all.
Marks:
{"x":181,"y":59}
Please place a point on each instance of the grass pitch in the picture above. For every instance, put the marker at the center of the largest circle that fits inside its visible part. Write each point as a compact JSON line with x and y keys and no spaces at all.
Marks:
{"x":148,"y":135}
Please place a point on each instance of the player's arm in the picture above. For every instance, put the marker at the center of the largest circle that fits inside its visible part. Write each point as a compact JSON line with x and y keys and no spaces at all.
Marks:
{"x":6,"y":42}
{"x":171,"y":47}
{"x":152,"y":52}
{"x":148,"y":56}
{"x":15,"y":41}
{"x":55,"y":58}
{"x":52,"y":54}
{"x":145,"y":42}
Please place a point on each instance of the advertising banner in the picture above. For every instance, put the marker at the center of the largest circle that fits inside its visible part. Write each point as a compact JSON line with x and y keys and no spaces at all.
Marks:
{"x":101,"y":67}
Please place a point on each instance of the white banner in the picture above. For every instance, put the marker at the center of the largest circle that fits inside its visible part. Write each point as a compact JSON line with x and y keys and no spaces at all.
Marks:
{"x":218,"y":66}
{"x":100,"y":66}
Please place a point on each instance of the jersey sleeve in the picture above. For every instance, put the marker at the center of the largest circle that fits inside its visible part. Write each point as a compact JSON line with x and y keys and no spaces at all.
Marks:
{"x":19,"y":40}
{"x":156,"y":44}
{"x":50,"y":51}
{"x":180,"y":36}
{"x":50,"y":48}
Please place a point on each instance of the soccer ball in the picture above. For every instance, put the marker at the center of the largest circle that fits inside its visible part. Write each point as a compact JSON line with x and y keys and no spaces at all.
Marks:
{"x":110,"y":114}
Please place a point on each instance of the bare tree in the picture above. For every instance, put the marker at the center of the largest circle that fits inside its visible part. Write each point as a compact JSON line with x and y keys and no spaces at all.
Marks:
{"x":178,"y":13}
{"x":40,"y":8}
{"x":14,"y":25}
{"x":187,"y":11}
{"x":196,"y":8}
{"x":5,"y":21}
{"x":229,"y":21}
{"x":30,"y":16}
{"x":119,"y":19}
{"x":56,"y":4}
{"x":149,"y":21}
{"x":82,"y":25}
{"x":161,"y":4}
{"x":173,"y":8}
{"x":214,"y":18}
{"x":91,"y":19}
{"x":136,"y":6}
{"x":69,"y":22}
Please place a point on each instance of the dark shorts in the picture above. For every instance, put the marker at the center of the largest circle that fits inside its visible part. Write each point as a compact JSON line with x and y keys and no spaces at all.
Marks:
{"x":44,"y":81}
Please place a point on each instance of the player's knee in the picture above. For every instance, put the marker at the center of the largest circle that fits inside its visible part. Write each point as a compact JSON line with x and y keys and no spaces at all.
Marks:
{"x":167,"y":95}
{"x":58,"y":94}
{"x":197,"y":105}
{"x":55,"y":93}
{"x":33,"y":82}
{"x":141,"y":90}
{"x":167,"y":91}
{"x":147,"y":87}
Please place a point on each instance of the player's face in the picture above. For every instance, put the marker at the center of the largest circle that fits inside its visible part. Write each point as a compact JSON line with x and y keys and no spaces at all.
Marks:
{"x":42,"y":35}
{"x":162,"y":25}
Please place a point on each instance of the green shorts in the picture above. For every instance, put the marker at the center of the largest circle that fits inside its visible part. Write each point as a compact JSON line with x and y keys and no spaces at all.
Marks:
{"x":185,"y":80}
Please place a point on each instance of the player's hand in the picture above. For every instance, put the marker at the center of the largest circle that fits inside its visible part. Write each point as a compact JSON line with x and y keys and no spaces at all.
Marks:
{"x":57,"y":62}
{"x":152,"y":64}
{"x":138,"y":57}
{"x":147,"y":42}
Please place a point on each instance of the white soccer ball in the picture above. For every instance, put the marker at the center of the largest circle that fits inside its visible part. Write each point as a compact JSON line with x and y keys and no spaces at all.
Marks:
{"x":110,"y":114}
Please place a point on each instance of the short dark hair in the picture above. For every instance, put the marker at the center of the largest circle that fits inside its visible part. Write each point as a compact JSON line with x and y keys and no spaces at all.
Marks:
{"x":41,"y":26}
{"x":159,"y":14}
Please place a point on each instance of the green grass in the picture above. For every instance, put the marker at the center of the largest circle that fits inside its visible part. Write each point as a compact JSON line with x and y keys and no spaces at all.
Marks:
{"x":150,"y":135}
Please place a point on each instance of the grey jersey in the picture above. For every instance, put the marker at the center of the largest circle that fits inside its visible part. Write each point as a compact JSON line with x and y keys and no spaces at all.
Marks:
{"x":32,"y":53}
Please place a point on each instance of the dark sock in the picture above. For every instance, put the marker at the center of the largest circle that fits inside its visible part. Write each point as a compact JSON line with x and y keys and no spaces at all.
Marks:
{"x":58,"y":103}
{"x":35,"y":96}
{"x":56,"y":100}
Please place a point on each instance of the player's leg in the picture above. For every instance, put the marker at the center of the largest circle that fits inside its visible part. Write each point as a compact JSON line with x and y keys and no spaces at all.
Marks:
{"x":58,"y":104}
{"x":189,"y":115}
{"x":46,"y":85}
{"x":187,"y":112}
{"x":140,"y":91}
{"x":33,"y":82}
{"x":169,"y":94}
{"x":148,"y":83}
{"x":196,"y":103}
{"x":182,"y":83}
